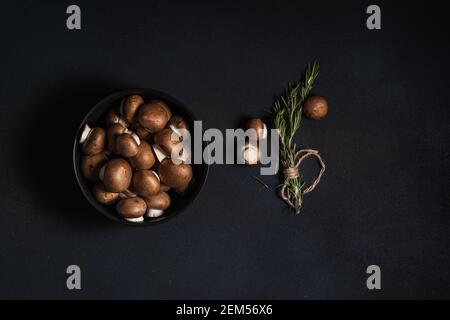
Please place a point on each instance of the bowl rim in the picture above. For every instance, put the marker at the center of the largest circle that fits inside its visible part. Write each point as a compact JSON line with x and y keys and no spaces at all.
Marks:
{"x":78,"y":175}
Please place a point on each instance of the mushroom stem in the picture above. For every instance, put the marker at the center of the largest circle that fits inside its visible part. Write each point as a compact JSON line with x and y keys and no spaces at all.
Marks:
{"x":156,"y":175}
{"x":85,"y":134}
{"x":176,"y":130}
{"x":250,"y":154}
{"x":154,"y":213}
{"x":160,"y":154}
{"x":139,"y":219}
{"x":127,"y":194}
{"x":136,"y":138}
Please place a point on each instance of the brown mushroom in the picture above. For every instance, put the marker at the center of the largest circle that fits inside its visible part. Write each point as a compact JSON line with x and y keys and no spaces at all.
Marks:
{"x":146,"y":182}
{"x":112,"y":118}
{"x":316,"y":107}
{"x":156,"y":204}
{"x":132,"y":209}
{"x":116,"y":175}
{"x":93,"y":140}
{"x":142,"y":133}
{"x":259,"y":126}
{"x":113,"y":132}
{"x":104,"y":196}
{"x":177,"y":122}
{"x":175,"y":175}
{"x":127,"y":144}
{"x":164,"y":139}
{"x":91,"y":165}
{"x":154,"y":116}
{"x":129,"y":106}
{"x":145,"y":158}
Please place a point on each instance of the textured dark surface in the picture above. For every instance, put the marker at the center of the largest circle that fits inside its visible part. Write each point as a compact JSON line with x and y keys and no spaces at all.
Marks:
{"x":384,"y":199}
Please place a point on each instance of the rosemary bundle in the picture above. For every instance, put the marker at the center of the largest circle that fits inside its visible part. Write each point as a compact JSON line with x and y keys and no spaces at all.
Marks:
{"x":287,"y":118}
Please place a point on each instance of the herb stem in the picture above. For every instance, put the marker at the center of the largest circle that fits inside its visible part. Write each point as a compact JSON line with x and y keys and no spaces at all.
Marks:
{"x":287,"y":119}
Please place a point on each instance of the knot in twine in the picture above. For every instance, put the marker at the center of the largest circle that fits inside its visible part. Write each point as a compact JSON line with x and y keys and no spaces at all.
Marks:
{"x":293,"y":173}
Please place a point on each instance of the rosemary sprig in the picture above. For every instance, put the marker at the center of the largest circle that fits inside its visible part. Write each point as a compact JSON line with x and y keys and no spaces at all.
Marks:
{"x":288,"y":114}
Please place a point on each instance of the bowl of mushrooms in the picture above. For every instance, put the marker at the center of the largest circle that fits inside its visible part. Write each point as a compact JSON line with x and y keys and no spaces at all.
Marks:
{"x":121,"y":158}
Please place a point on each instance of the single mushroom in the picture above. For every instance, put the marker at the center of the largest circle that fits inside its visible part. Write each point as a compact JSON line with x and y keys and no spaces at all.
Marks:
{"x":259,"y":126}
{"x":116,"y":175}
{"x":93,"y":140}
{"x":112,"y":118}
{"x":129,"y":106}
{"x":127,"y":144}
{"x":145,"y":158}
{"x":175,"y":175}
{"x":156,"y":204}
{"x":315,"y":108}
{"x":154,"y":116}
{"x":146,"y":182}
{"x":132,"y":209}
{"x":91,"y":165}
{"x":165,"y":141}
{"x":250,"y":154}
{"x":104,"y":196}
{"x":113,"y":132}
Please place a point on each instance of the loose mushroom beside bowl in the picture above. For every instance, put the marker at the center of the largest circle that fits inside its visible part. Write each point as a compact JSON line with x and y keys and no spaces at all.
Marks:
{"x":121,"y":158}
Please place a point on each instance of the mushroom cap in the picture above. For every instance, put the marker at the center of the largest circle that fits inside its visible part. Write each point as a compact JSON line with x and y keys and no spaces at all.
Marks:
{"x":145,"y":157}
{"x":315,"y":107}
{"x":127,"y":144}
{"x":145,"y":182}
{"x":259,"y":126}
{"x":117,"y":175}
{"x":175,"y":175}
{"x":102,"y":195}
{"x":154,"y":116}
{"x":160,"y":201}
{"x":91,"y":165}
{"x":142,"y":133}
{"x":164,"y":140}
{"x":130,"y":105}
{"x":95,"y":142}
{"x":112,"y":118}
{"x":178,"y":122}
{"x":131,"y":207}
{"x":113,"y":132}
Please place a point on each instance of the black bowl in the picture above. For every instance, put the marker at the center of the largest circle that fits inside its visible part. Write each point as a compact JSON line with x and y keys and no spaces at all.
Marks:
{"x":96,"y":116}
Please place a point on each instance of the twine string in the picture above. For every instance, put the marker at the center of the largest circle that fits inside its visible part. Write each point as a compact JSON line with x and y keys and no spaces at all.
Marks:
{"x":293,"y":173}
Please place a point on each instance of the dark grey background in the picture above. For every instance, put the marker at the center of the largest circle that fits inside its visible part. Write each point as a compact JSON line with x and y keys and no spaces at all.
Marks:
{"x":383,"y":200}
